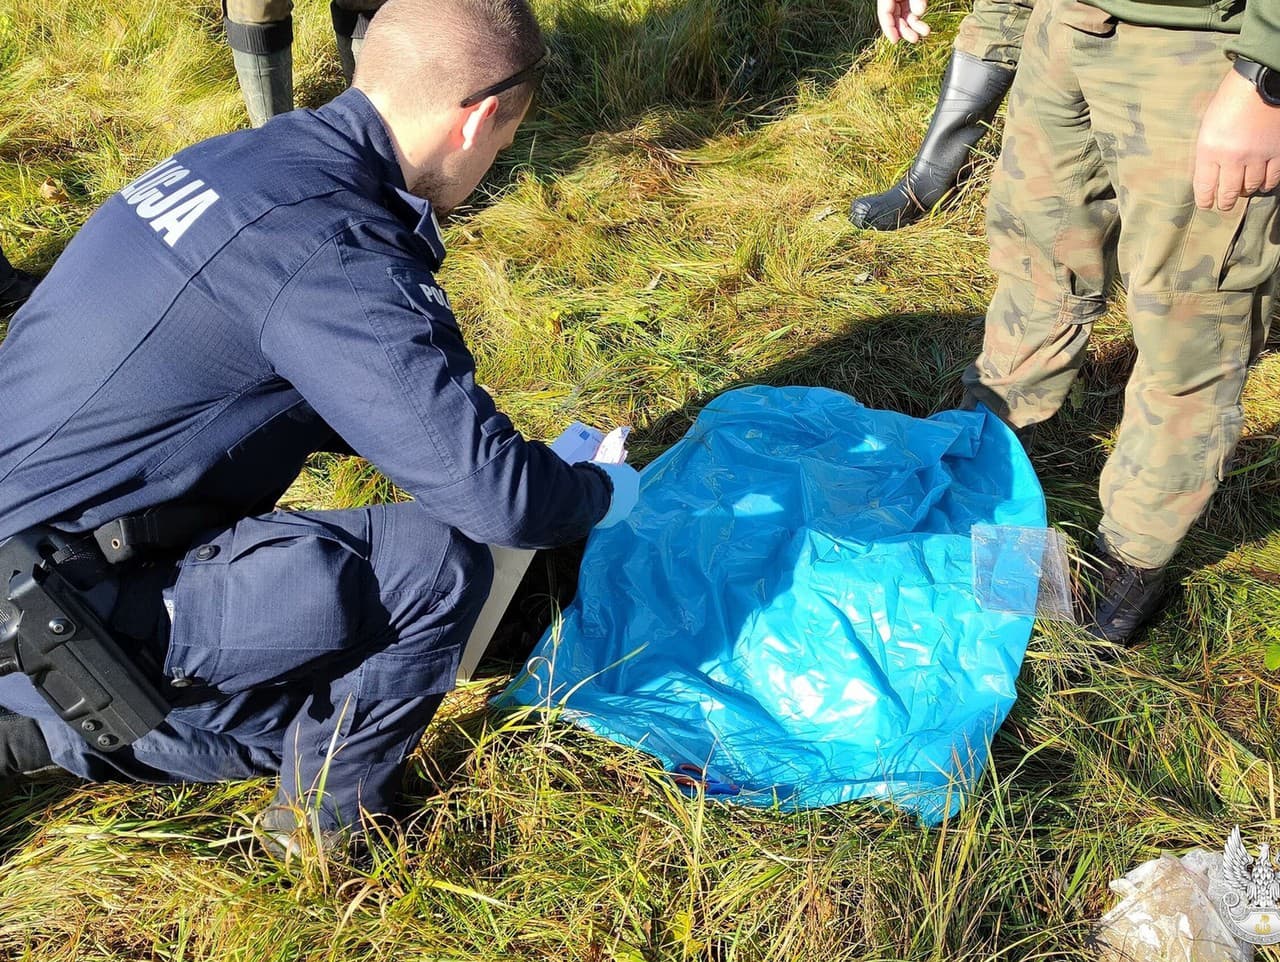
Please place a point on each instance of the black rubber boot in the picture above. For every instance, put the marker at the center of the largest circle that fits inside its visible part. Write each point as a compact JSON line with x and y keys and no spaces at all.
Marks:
{"x":972,"y":91}
{"x":15,"y":286}
{"x":349,"y":28}
{"x":23,"y":750}
{"x":1126,"y":599}
{"x":263,"y":55}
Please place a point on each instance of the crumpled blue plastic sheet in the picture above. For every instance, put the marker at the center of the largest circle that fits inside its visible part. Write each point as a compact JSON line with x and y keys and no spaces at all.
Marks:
{"x":791,"y":607}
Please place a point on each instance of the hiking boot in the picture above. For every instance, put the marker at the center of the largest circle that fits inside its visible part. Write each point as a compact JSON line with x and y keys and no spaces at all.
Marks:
{"x":23,"y":750}
{"x":972,"y":91}
{"x":288,"y":832}
{"x":1027,"y":435}
{"x":1126,"y":598}
{"x":15,"y":287}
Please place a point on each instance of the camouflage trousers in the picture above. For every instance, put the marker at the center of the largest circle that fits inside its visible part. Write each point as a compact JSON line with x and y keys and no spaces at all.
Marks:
{"x":993,"y":31}
{"x":1095,"y":171}
{"x":275,"y":11}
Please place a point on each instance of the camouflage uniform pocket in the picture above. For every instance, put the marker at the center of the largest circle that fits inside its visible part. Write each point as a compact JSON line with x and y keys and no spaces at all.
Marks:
{"x":1086,"y":18}
{"x":1081,"y":309}
{"x":1254,"y":254}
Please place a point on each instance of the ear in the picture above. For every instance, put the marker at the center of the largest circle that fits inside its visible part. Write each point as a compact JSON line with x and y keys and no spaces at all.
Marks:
{"x":478,"y":118}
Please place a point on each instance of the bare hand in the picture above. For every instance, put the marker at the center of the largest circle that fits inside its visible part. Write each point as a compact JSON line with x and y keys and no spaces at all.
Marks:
{"x":900,"y":19}
{"x":1238,"y":153}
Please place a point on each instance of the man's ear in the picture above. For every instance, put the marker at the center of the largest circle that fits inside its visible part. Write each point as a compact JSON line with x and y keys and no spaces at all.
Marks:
{"x":478,"y":118}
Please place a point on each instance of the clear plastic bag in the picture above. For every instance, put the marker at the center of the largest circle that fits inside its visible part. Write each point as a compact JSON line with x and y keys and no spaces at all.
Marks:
{"x":1165,"y":915}
{"x":1022,"y":571}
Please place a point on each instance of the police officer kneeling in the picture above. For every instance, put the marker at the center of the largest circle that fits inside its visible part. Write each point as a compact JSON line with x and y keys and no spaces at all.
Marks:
{"x":254,"y":299}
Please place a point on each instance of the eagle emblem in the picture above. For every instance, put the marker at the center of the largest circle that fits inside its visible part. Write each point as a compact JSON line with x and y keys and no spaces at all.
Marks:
{"x":1246,"y":892}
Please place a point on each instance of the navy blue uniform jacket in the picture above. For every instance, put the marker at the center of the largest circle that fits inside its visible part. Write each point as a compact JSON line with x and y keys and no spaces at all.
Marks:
{"x":256,"y":298}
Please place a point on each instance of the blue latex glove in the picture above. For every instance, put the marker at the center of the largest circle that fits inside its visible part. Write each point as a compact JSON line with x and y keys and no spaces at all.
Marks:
{"x":626,"y":492}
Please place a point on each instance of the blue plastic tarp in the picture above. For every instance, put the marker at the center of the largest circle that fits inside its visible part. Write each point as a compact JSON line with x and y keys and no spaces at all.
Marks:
{"x":791,"y":605}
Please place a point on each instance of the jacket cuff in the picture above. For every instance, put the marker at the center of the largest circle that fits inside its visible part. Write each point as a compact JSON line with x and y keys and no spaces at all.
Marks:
{"x":1259,"y":38}
{"x":608,"y":484}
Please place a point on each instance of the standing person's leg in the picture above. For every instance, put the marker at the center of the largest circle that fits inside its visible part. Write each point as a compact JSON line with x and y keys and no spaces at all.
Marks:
{"x":1051,"y":218}
{"x":260,"y":34}
{"x":316,"y":644}
{"x":993,"y":32}
{"x":974,"y":84}
{"x":1201,"y":287}
{"x":350,"y":21}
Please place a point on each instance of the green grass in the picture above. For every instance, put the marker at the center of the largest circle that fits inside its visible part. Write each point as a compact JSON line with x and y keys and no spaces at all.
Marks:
{"x":670,"y":224}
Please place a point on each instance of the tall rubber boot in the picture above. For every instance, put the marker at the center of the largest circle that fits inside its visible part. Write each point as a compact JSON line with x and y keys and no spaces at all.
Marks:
{"x":263,"y":55}
{"x":972,"y":91}
{"x":349,"y":28}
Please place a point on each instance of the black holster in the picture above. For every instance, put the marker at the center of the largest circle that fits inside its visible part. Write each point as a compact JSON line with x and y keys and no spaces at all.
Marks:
{"x":159,"y":533}
{"x":49,"y":631}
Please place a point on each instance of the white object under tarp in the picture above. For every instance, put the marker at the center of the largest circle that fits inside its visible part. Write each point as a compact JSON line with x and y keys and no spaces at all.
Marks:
{"x":576,"y":443}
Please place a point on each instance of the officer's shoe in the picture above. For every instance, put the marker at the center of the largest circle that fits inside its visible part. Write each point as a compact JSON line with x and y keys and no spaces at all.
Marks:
{"x":972,"y":90}
{"x":23,"y":750}
{"x":15,"y":291}
{"x":291,"y":832}
{"x":1125,"y":600}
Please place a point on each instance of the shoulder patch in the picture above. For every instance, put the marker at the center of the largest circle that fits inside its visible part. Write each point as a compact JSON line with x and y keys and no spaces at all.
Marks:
{"x":441,"y":332}
{"x":422,"y":291}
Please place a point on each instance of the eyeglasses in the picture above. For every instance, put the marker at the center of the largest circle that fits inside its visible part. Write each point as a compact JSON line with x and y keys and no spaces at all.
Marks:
{"x":533,"y":73}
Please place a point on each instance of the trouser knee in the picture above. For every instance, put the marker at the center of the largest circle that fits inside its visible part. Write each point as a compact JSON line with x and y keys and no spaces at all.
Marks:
{"x":445,"y":593}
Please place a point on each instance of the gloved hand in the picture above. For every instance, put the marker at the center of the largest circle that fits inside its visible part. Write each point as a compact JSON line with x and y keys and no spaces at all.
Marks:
{"x":626,"y":492}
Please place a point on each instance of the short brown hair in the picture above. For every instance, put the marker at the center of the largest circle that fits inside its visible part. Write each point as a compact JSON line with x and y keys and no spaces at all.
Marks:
{"x":435,"y":53}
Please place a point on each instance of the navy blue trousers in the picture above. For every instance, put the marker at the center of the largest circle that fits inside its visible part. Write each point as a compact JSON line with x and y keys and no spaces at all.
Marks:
{"x":315,"y":645}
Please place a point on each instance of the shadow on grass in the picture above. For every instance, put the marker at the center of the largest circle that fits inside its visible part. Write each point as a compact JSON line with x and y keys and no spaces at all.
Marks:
{"x":707,"y":64}
{"x":699,"y":67}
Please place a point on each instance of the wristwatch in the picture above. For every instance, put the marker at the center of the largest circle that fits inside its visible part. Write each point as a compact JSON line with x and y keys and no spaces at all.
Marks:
{"x":1266,"y":80}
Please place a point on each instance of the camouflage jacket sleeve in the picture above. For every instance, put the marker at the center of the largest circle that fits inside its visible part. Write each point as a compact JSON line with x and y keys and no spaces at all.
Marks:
{"x":1259,"y":38}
